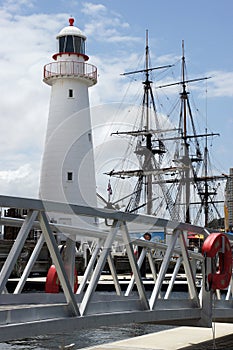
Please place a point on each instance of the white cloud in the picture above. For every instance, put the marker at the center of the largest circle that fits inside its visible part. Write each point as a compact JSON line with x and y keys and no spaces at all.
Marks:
{"x":112,"y":86}
{"x":21,"y":181}
{"x":91,"y":9}
{"x":15,"y":175}
{"x":105,"y":25}
{"x":16,"y":6}
{"x":220,"y":84}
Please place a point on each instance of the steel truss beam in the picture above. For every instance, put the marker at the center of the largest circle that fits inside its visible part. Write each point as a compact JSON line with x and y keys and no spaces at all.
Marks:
{"x":30,"y":314}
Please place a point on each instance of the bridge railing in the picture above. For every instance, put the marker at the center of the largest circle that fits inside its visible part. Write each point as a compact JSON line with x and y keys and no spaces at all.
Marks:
{"x":132,"y":301}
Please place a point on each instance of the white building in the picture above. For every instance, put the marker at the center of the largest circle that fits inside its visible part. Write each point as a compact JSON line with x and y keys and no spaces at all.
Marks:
{"x":68,"y":173}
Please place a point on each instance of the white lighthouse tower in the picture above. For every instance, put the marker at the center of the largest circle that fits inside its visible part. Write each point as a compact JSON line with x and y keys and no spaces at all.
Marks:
{"x":68,"y":173}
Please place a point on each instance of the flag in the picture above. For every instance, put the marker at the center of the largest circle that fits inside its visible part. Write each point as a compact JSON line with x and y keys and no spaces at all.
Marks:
{"x":109,"y":189}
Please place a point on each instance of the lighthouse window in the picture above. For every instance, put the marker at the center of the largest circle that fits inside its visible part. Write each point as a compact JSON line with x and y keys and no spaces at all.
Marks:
{"x":71,"y":43}
{"x":66,"y":44}
{"x":62,"y":44}
{"x":79,"y":45}
{"x":69,"y":176}
{"x":71,"y":93}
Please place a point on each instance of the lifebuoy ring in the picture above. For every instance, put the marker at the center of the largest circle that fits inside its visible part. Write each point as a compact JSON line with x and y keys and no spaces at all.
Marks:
{"x":52,"y":284}
{"x":136,"y":253}
{"x":218,"y":243}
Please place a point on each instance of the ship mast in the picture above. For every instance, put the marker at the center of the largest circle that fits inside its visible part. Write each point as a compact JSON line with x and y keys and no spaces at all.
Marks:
{"x":190,"y":172}
{"x":148,"y":156}
{"x":144,"y":152}
{"x":186,"y":160}
{"x":206,"y":189}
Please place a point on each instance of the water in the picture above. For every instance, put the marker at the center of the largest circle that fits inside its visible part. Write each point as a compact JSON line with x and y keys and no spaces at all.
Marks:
{"x":89,"y":337}
{"x":82,"y":339}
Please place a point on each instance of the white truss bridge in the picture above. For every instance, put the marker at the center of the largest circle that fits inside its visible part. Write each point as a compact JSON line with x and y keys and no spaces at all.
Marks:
{"x":32,"y":314}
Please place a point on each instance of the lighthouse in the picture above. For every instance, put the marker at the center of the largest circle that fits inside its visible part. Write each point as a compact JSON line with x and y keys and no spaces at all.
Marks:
{"x":67,"y":171}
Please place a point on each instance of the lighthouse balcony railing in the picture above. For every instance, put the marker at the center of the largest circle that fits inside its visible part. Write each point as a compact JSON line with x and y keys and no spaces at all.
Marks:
{"x":70,"y":68}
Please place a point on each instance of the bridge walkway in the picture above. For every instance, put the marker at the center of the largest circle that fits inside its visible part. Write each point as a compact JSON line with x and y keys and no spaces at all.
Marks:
{"x":32,"y":314}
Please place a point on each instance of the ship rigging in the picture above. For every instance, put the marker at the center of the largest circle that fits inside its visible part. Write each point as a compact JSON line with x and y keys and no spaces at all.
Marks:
{"x":170,"y":182}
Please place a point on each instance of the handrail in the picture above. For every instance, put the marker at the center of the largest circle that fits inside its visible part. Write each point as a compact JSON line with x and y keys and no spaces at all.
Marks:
{"x":103,"y":213}
{"x":194,"y":308}
{"x":70,"y":68}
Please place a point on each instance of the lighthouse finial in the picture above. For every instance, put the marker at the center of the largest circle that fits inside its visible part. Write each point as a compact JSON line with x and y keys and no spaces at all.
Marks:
{"x":71,"y":20}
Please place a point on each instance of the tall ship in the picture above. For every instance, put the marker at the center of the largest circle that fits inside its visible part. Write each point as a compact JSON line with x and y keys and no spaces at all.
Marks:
{"x":167,"y":161}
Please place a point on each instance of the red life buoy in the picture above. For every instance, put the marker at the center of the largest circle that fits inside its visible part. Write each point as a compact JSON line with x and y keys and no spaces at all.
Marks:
{"x":52,"y":284}
{"x":136,"y":253}
{"x":218,"y":243}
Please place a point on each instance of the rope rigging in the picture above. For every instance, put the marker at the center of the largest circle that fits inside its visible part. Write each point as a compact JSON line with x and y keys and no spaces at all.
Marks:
{"x":182,"y":186}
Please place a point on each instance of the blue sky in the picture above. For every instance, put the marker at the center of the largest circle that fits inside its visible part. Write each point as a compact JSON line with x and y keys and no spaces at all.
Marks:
{"x":115,"y":33}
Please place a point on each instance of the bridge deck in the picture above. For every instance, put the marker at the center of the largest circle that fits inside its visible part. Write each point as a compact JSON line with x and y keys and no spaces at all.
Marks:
{"x":30,"y":314}
{"x":26,"y":316}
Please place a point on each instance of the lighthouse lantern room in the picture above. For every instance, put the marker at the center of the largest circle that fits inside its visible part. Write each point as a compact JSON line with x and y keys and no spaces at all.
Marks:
{"x":67,"y":171}
{"x":71,"y":40}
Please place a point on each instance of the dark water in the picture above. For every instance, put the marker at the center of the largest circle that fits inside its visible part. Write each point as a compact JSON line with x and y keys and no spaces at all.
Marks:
{"x":88,"y":338}
{"x":83,"y":339}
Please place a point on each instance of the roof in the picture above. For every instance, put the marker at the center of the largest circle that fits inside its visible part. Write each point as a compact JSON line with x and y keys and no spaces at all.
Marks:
{"x":71,"y":30}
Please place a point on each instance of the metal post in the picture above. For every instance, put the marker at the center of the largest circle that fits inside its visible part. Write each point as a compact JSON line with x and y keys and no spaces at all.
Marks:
{"x":30,"y":263}
{"x":173,"y":278}
{"x":134,"y":267}
{"x":188,"y":270}
{"x":163,"y":269}
{"x":88,"y":269}
{"x":152,"y":265}
{"x":114,"y":275}
{"x":57,"y":260}
{"x":132,"y":280}
{"x":69,"y":259}
{"x":207,"y":297}
{"x":99,"y":266}
{"x":229,"y":290}
{"x":16,"y":248}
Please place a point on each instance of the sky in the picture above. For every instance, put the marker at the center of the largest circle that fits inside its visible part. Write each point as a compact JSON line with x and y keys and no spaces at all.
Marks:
{"x":115,"y":33}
